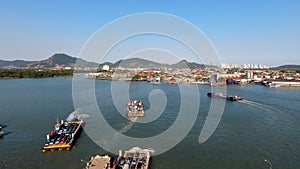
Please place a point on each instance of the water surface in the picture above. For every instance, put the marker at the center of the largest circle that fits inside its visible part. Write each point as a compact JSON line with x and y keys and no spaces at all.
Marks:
{"x":264,"y":126}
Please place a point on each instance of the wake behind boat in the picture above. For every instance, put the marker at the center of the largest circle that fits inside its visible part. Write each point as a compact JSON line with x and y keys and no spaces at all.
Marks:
{"x":224,"y":96}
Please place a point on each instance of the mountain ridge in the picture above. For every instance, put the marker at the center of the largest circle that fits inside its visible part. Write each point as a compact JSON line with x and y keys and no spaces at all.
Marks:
{"x":69,"y":61}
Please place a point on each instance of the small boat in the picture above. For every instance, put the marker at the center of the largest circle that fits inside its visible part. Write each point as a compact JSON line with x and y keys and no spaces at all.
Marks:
{"x":1,"y":131}
{"x":224,"y":96}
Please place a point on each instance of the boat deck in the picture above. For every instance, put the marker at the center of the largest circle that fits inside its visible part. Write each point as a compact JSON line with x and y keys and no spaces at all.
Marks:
{"x":135,"y":108}
{"x":63,"y":137}
{"x":134,"y":159}
{"x":98,"y":162}
{"x":131,"y":159}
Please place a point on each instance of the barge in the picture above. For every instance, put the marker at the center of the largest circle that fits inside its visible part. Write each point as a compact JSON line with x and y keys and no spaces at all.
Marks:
{"x":103,"y":162}
{"x":135,"y":158}
{"x":64,"y":136}
{"x":135,"y":108}
{"x":225,"y":96}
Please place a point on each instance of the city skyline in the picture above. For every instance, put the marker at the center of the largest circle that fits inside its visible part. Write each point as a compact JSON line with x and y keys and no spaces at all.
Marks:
{"x":242,"y":32}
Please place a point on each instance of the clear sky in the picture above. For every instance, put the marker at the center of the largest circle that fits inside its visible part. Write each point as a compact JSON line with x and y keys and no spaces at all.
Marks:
{"x":256,"y":31}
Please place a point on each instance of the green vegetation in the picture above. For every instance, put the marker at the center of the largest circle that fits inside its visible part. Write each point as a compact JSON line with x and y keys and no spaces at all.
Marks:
{"x":289,"y":67}
{"x":33,"y":73}
{"x":139,"y":78}
{"x":283,"y":71}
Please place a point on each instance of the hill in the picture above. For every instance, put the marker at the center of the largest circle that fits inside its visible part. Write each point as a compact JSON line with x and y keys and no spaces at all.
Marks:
{"x":143,"y":63}
{"x":68,"y":61}
{"x":62,"y":59}
{"x":138,"y":62}
{"x":56,"y":59}
{"x":186,"y":64}
{"x":15,"y":63}
{"x":289,"y":67}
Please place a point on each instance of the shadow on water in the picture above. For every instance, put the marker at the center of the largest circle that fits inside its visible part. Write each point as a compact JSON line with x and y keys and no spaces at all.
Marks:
{"x":7,"y":133}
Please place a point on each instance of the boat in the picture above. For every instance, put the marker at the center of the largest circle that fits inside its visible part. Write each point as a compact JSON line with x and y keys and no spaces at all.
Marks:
{"x":225,"y":96}
{"x":135,"y":108}
{"x":105,"y":162}
{"x":134,"y":158}
{"x":63,"y":136}
{"x":1,"y":131}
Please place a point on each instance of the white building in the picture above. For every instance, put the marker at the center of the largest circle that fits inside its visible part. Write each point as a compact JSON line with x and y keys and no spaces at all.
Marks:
{"x":105,"y":67}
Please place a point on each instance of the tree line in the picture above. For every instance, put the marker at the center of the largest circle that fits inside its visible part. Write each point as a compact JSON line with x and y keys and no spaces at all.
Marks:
{"x":33,"y":73}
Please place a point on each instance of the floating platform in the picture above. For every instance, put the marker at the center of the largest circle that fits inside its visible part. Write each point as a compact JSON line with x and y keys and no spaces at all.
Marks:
{"x":97,"y":162}
{"x":135,"y":108}
{"x":134,"y":159}
{"x":64,"y":136}
{"x":131,"y":159}
{"x":224,"y":96}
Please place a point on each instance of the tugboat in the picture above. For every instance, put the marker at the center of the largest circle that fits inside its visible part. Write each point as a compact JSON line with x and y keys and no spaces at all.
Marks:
{"x":63,"y":136}
{"x":224,"y":96}
{"x":1,"y":131}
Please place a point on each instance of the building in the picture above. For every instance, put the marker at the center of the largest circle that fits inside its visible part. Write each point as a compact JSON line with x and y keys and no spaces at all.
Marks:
{"x":105,"y":67}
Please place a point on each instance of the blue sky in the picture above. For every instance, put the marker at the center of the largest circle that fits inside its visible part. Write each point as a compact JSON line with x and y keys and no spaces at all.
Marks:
{"x":256,"y":31}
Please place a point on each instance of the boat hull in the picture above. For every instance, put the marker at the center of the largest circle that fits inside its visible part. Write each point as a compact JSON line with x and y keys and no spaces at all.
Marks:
{"x":224,"y":96}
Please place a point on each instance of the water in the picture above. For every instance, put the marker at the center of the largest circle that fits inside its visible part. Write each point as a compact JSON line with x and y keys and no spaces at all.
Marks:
{"x":264,"y":126}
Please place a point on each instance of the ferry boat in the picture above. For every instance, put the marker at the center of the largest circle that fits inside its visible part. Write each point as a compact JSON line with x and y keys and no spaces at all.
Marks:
{"x":1,"y":131}
{"x":135,"y":108}
{"x":135,"y":158}
{"x":225,"y":96}
{"x":63,"y":136}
